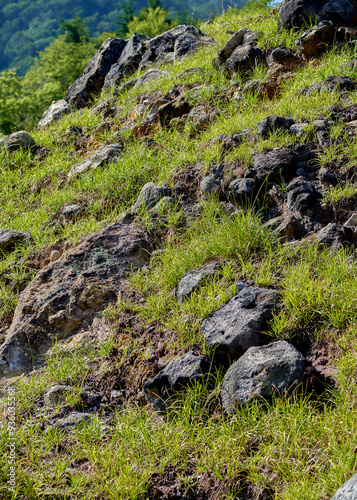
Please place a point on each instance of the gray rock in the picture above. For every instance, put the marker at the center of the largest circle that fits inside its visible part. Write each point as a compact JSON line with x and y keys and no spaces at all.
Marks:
{"x":243,"y":60}
{"x":9,"y":239}
{"x":199,"y":118}
{"x":296,"y":13}
{"x":151,"y":75}
{"x":238,"y":325}
{"x":66,"y":294}
{"x":195,"y":278}
{"x":276,"y":165}
{"x":71,"y":211}
{"x":322,"y":125}
{"x":261,"y":371}
{"x":348,"y":491}
{"x":299,"y":129}
{"x":72,"y":421}
{"x":242,"y":190}
{"x":178,"y":374}
{"x":150,"y":194}
{"x":174,"y":109}
{"x":287,"y":227}
{"x":233,"y":43}
{"x":189,"y":72}
{"x":18,"y":140}
{"x":54,"y":113}
{"x":352,"y":221}
{"x":316,"y":39}
{"x":125,"y":218}
{"x":272,"y":124}
{"x":301,"y":196}
{"x":102,"y":156}
{"x":56,"y":395}
{"x":166,"y":203}
{"x":335,"y":236}
{"x":209,"y":185}
{"x":340,"y":83}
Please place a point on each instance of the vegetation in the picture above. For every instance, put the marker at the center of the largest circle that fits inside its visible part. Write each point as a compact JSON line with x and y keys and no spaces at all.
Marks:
{"x":298,"y":446}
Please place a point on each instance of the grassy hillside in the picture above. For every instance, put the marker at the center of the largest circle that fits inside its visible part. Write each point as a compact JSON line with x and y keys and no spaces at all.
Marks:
{"x":300,"y":445}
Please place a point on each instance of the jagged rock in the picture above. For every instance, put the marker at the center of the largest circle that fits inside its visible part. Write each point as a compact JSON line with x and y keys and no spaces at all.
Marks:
{"x":54,"y":113}
{"x":209,"y":185}
{"x":193,"y":279}
{"x":348,"y":491}
{"x":272,"y":124}
{"x":242,"y":190}
{"x":340,"y":83}
{"x":178,"y":374}
{"x":299,"y":129}
{"x":321,"y":125}
{"x":287,"y":227}
{"x":243,"y":60}
{"x":316,"y":39}
{"x":335,"y":236}
{"x":125,"y":218}
{"x":282,"y":55}
{"x":9,"y":239}
{"x":128,"y":62}
{"x":166,"y":203}
{"x":174,"y":109}
{"x":71,"y":211}
{"x":301,"y":196}
{"x":18,"y":140}
{"x":296,"y":13}
{"x":278,"y":164}
{"x":352,"y":221}
{"x":322,"y":138}
{"x":234,"y":42}
{"x":92,"y":80}
{"x":99,"y":158}
{"x":150,"y":194}
{"x":238,"y":325}
{"x":327,"y":176}
{"x":55,"y":395}
{"x":151,"y":75}
{"x":66,"y":294}
{"x":276,"y":367}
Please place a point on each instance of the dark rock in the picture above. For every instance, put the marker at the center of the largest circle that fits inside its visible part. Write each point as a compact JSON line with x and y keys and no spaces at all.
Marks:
{"x":54,"y":113}
{"x":66,"y":294}
{"x":275,"y":166}
{"x":199,"y":118}
{"x":272,"y":124}
{"x":340,"y":83}
{"x":233,"y":43}
{"x":179,"y":374}
{"x":18,"y":140}
{"x":209,"y":185}
{"x":92,"y":80}
{"x":327,"y":176}
{"x":174,"y":109}
{"x":70,"y":212}
{"x":321,"y":125}
{"x":301,"y":196}
{"x":242,"y":190}
{"x":128,"y":62}
{"x":348,"y":491}
{"x":101,"y":157}
{"x":299,"y":129}
{"x":260,"y":372}
{"x":150,"y":194}
{"x":287,"y":227}
{"x":282,"y":55}
{"x":125,"y":218}
{"x":238,"y":325}
{"x":9,"y":239}
{"x":352,"y":221}
{"x":335,"y":236}
{"x":322,"y":138}
{"x":72,"y":421}
{"x":296,"y":13}
{"x":243,"y":60}
{"x":316,"y":39}
{"x":195,"y":278}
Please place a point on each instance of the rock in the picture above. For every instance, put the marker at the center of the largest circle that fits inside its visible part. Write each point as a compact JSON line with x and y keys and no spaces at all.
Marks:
{"x":301,"y":196}
{"x":335,"y":236}
{"x":327,"y":176}
{"x":195,"y":278}
{"x":296,"y":13}
{"x":72,"y":421}
{"x":322,"y":138}
{"x":316,"y":39}
{"x":151,"y":75}
{"x":56,"y":395}
{"x":238,"y":325}
{"x":321,"y":125}
{"x":199,"y":118}
{"x":18,"y":140}
{"x":125,"y":218}
{"x":272,"y":124}
{"x":209,"y":185}
{"x":102,"y":156}
{"x":242,"y":190}
{"x":348,"y":491}
{"x":233,"y":43}
{"x":9,"y":239}
{"x":54,"y":113}
{"x":163,"y":205}
{"x":150,"y":194}
{"x":92,"y":80}
{"x":69,"y":212}
{"x":174,"y":109}
{"x":178,"y":374}
{"x":352,"y":221}
{"x":128,"y":61}
{"x":65,"y":295}
{"x":282,"y":55}
{"x":287,"y":227}
{"x":243,"y":60}
{"x":261,"y":371}
{"x":275,"y":166}
{"x":299,"y":129}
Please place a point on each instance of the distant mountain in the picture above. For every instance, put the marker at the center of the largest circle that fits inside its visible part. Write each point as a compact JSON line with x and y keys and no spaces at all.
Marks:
{"x":28,"y":26}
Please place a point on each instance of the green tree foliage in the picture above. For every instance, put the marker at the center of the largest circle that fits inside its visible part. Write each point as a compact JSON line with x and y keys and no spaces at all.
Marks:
{"x":76,"y":30}
{"x":150,"y":22}
{"x":126,"y":16}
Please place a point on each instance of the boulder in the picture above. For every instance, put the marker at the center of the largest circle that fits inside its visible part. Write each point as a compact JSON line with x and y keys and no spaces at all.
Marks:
{"x":272,"y":124}
{"x":92,"y":80}
{"x":275,"y":166}
{"x":18,"y":140}
{"x":261,"y":371}
{"x":243,"y":60}
{"x":295,"y":13}
{"x":102,"y":156}
{"x":178,"y":374}
{"x":56,"y":395}
{"x":54,"y":113}
{"x":174,"y":109}
{"x":301,"y":196}
{"x":335,"y":236}
{"x":316,"y":39}
{"x":9,"y":239}
{"x":66,"y":294}
{"x":348,"y":491}
{"x":234,"y":42}
{"x":150,"y":194}
{"x":209,"y":185}
{"x":239,"y":324}
{"x":195,"y":278}
{"x":242,"y":190}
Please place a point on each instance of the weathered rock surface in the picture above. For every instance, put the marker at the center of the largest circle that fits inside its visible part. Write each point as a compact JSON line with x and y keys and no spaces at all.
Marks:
{"x":301,"y":196}
{"x":316,"y":39}
{"x":178,"y":374}
{"x":333,"y":82}
{"x":242,"y":190}
{"x":278,"y":164}
{"x":276,"y":367}
{"x":193,"y":279}
{"x":243,"y":60}
{"x":151,"y":75}
{"x":54,"y":113}
{"x":238,"y":325}
{"x":348,"y":491}
{"x":9,"y":239}
{"x":296,"y":13}
{"x":92,"y":80}
{"x":272,"y":124}
{"x":65,"y":295}
{"x":102,"y":156}
{"x":18,"y":140}
{"x":150,"y":194}
{"x":335,"y":236}
{"x":55,"y":395}
{"x":174,"y":109}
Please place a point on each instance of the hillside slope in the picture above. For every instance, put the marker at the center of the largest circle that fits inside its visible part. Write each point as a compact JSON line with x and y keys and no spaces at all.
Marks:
{"x":178,"y":280}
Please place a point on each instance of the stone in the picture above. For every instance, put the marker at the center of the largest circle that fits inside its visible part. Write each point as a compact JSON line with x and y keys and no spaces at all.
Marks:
{"x":128,"y":61}
{"x":199,"y":118}
{"x":65,"y":295}
{"x":316,"y":39}
{"x":195,"y":278}
{"x":295,"y":13}
{"x":272,"y":124}
{"x":287,"y":227}
{"x":275,"y":166}
{"x":243,"y":60}
{"x":92,"y":80}
{"x":54,"y":113}
{"x":282,"y":55}
{"x":352,"y":221}
{"x":301,"y":196}
{"x":174,"y":109}
{"x":56,"y":395}
{"x":163,"y":205}
{"x":18,"y":140}
{"x":209,"y":185}
{"x":260,"y":372}
{"x":299,"y":129}
{"x":10,"y":239}
{"x":99,"y":158}
{"x":335,"y":236}
{"x":321,"y":125}
{"x":327,"y":176}
{"x":68,"y":423}
{"x":71,"y":211}
{"x":125,"y":218}
{"x":151,"y":75}
{"x":150,"y":194}
{"x":233,"y":43}
{"x":242,"y":190}
{"x":348,"y":491}
{"x":238,"y":325}
{"x":178,"y":374}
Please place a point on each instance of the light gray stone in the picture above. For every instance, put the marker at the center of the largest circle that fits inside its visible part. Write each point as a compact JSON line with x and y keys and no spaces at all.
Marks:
{"x":56,"y":395}
{"x":348,"y":491}
{"x":18,"y":140}
{"x":9,"y":239}
{"x":150,"y":194}
{"x":193,"y":279}
{"x":101,"y":157}
{"x":54,"y":113}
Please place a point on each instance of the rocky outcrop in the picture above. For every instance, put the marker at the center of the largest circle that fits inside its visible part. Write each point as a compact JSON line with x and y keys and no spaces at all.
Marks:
{"x":101,"y":157}
{"x":261,"y":371}
{"x":18,"y":140}
{"x":296,"y":13}
{"x":9,"y":239}
{"x":150,"y":194}
{"x":66,"y":294}
{"x":54,"y":113}
{"x":272,"y":124}
{"x":348,"y":491}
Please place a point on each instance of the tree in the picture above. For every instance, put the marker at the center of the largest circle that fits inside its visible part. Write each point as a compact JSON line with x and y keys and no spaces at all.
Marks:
{"x":126,"y":16}
{"x":150,"y":22}
{"x":76,"y":29}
